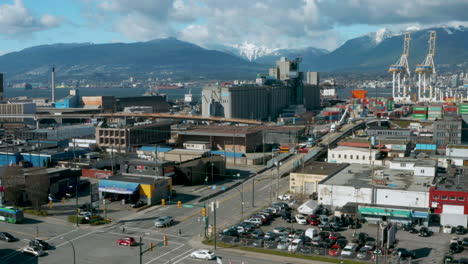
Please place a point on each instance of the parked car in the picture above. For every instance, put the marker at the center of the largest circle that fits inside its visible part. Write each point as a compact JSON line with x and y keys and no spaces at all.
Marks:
{"x":362,"y":237}
{"x":363,"y":253}
{"x":34,"y":251}
{"x":300,"y":219}
{"x":349,"y":250}
{"x":126,"y":241}
{"x":424,"y":232}
{"x":283,"y":244}
{"x":341,"y":242}
{"x":370,"y":245}
{"x":455,"y":248}
{"x":279,"y":229}
{"x":460,"y":230}
{"x":313,"y":220}
{"x":7,"y":237}
{"x":38,"y":243}
{"x":203,"y":254}
{"x":403,"y":253}
{"x":257,"y":243}
{"x":137,"y":204}
{"x":294,"y":245}
{"x":255,"y":221}
{"x":334,"y":250}
{"x":286,"y":216}
{"x":164,"y":221}
{"x":305,"y":249}
{"x":257,"y":233}
{"x":465,"y":242}
{"x":447,"y":229}
{"x":455,"y":240}
{"x":269,"y":244}
{"x":284,"y":197}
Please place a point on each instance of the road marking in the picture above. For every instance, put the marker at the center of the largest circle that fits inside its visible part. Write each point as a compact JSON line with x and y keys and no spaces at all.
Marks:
{"x":50,"y":239}
{"x":170,"y":261}
{"x":78,"y":237}
{"x":157,"y":233}
{"x":166,"y":253}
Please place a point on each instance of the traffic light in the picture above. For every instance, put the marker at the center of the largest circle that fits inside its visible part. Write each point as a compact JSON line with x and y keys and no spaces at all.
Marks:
{"x":165,"y":241}
{"x":163,"y":202}
{"x":203,"y":211}
{"x":179,"y":204}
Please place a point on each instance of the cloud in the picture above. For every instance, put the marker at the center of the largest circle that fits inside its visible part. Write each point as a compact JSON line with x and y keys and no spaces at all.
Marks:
{"x":17,"y":21}
{"x":271,"y":23}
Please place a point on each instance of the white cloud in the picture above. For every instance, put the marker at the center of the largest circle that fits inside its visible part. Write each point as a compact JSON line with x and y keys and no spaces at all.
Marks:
{"x":17,"y":21}
{"x":271,"y":23}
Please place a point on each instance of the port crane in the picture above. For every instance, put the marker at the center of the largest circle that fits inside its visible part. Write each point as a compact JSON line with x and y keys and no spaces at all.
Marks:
{"x":401,"y":73}
{"x":427,"y":73}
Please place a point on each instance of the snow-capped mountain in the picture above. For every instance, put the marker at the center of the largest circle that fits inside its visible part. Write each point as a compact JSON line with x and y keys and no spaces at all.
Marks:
{"x":381,"y":35}
{"x":252,"y":51}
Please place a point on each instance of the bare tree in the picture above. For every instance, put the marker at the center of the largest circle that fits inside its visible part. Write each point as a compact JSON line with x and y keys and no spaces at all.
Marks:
{"x":37,"y":186}
{"x":14,"y":182}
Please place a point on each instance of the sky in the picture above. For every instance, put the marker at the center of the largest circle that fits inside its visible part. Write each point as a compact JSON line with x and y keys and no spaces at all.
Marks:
{"x":268,"y":23}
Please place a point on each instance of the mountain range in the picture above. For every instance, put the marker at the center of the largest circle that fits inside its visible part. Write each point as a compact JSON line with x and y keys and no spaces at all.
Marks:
{"x":179,"y":60}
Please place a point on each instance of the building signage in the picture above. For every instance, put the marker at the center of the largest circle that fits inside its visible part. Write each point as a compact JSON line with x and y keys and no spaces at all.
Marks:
{"x":118,"y":187}
{"x":169,"y":171}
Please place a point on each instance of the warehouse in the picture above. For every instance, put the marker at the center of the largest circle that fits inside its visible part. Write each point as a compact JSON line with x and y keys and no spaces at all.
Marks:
{"x":305,"y":180}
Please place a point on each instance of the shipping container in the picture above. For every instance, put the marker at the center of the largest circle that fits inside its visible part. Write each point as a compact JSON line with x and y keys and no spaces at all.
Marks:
{"x":419,"y":108}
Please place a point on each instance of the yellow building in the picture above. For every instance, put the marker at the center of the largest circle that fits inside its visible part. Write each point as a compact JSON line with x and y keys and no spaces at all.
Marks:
{"x":305,"y":180}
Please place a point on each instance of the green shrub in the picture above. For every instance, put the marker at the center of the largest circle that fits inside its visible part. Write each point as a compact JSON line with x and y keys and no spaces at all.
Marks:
{"x":36,"y":212}
{"x":100,"y":222}
{"x":81,"y":220}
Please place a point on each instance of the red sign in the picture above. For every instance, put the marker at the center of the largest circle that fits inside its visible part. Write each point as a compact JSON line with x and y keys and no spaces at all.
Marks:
{"x":2,"y":188}
{"x":141,"y":167}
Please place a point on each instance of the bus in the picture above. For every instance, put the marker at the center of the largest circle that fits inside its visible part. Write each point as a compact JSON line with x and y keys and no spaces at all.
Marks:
{"x":11,"y":215}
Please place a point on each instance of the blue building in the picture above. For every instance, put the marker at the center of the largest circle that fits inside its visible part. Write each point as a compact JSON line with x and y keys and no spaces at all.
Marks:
{"x":42,"y":158}
{"x":71,"y":101}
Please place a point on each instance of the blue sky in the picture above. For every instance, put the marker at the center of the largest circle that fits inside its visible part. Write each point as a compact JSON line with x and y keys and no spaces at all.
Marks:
{"x":270,"y":24}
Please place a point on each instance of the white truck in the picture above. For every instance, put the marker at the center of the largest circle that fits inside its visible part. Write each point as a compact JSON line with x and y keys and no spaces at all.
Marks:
{"x":308,"y":207}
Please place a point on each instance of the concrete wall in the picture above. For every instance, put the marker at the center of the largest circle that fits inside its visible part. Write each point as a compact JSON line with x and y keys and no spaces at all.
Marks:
{"x":411,"y":166}
{"x":353,"y":156}
{"x":338,"y":196}
{"x":402,"y":198}
{"x":299,"y":181}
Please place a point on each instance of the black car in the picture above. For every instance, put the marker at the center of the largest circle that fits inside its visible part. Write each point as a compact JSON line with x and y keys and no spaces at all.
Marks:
{"x":137,"y":204}
{"x":424,"y":232}
{"x":403,"y":253}
{"x":362,"y":238}
{"x":286,"y":216}
{"x":258,"y":234}
{"x":231,"y":232}
{"x":465,"y":242}
{"x":460,"y":230}
{"x":341,"y":243}
{"x":38,"y":243}
{"x":7,"y":237}
{"x":455,"y":248}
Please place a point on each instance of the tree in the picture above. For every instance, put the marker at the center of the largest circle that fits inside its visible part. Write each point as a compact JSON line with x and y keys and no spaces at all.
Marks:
{"x":14,"y":182}
{"x":37,"y":186}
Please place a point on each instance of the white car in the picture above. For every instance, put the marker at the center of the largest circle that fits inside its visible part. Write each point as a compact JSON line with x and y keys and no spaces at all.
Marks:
{"x":255,"y":221}
{"x":300,"y":219}
{"x":349,"y":250}
{"x":455,"y":240}
{"x":295,"y":245}
{"x":447,"y":229}
{"x":34,"y":251}
{"x":203,"y":254}
{"x":284,"y":197}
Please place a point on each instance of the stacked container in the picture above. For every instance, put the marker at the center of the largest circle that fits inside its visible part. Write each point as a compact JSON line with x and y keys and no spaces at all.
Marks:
{"x":463,"y":109}
{"x":434,"y":112}
{"x":419,"y":112}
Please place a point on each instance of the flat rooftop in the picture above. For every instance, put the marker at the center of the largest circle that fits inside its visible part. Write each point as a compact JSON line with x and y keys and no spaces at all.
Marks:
{"x":420,"y":162}
{"x":453,"y":181}
{"x":137,"y":179}
{"x":359,"y":176}
{"x":322,"y":168}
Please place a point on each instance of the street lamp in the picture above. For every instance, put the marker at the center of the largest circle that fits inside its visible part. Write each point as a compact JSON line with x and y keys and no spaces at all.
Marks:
{"x":73,"y":248}
{"x":212,"y":177}
{"x":277,"y":164}
{"x":242,"y":196}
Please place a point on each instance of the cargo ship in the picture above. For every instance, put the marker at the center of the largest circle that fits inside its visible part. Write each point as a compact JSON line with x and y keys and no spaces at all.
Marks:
{"x":168,"y":87}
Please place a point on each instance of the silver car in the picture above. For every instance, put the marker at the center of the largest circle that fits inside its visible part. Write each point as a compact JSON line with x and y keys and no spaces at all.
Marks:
{"x":164,"y":221}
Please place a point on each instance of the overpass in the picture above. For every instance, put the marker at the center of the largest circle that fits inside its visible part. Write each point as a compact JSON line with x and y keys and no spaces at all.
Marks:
{"x":147,"y":115}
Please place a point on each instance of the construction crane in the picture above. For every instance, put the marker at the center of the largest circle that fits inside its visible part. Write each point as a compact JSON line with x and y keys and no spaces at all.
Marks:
{"x":427,"y":73}
{"x":401,"y":73}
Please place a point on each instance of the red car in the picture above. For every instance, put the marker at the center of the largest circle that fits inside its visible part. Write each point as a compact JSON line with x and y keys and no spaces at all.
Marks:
{"x":313,"y":220}
{"x":334,"y":250}
{"x":126,"y":241}
{"x":334,"y":236}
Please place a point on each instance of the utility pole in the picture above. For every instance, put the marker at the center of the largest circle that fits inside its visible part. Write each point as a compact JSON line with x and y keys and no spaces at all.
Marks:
{"x":253,"y":192}
{"x":76,"y":199}
{"x":141,"y":251}
{"x":214,"y":206}
{"x":277,"y":177}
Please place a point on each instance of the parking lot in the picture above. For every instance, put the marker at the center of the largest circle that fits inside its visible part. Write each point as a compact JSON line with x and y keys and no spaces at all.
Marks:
{"x":430,"y":249}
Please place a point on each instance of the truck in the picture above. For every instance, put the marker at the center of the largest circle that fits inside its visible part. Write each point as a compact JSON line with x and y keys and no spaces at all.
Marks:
{"x":308,"y":207}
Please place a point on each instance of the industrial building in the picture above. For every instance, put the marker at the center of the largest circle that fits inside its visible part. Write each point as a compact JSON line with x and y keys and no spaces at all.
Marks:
{"x":266,"y":99}
{"x":377,"y":186}
{"x":305,"y":180}
{"x":150,"y":168}
{"x":17,"y":109}
{"x":58,"y":133}
{"x":354,"y":155}
{"x":133,"y":188}
{"x":157,"y":102}
{"x":71,"y":101}
{"x":240,"y":139}
{"x":106,"y":103}
{"x":447,"y":131}
{"x":125,"y":135}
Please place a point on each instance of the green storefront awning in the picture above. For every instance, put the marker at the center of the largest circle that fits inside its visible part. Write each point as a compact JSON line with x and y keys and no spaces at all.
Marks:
{"x":384,"y":212}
